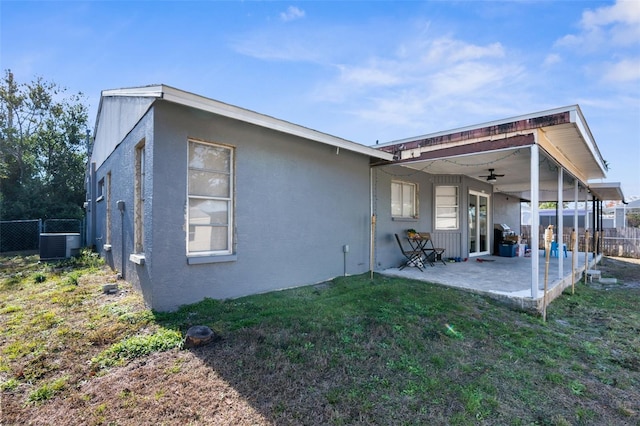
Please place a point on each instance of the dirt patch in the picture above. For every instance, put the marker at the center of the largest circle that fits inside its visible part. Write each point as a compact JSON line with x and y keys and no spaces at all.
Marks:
{"x":352,"y":351}
{"x":174,"y":387}
{"x":625,"y":270}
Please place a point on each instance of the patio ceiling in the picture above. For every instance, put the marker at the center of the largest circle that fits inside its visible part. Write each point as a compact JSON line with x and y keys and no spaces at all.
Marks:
{"x":505,"y":146}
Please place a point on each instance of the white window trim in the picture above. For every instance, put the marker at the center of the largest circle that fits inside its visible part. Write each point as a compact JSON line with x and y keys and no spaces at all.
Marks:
{"x":108,"y":212}
{"x":139,"y":196}
{"x":414,"y":213}
{"x":456,"y":206}
{"x":222,"y":255}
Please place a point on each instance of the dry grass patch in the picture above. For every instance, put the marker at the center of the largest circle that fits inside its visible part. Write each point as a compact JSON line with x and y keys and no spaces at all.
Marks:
{"x":352,"y":351}
{"x":55,"y":320}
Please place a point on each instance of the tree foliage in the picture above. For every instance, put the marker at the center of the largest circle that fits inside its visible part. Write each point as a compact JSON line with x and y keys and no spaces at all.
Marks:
{"x":633,"y":220}
{"x":549,"y":205}
{"x":42,"y":150}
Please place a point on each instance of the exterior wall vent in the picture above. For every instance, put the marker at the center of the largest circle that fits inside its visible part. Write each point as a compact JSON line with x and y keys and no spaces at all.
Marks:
{"x":59,"y":246}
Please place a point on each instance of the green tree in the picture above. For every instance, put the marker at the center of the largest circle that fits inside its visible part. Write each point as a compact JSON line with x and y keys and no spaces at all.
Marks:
{"x":552,"y":205}
{"x":42,"y":150}
{"x":633,"y":220}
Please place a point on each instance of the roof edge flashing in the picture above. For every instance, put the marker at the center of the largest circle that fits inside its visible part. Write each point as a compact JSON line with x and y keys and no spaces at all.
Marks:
{"x":181,"y":97}
{"x":242,"y":114}
{"x":610,"y":191}
{"x":565,"y":109}
{"x":151,"y":91}
{"x":581,"y":123}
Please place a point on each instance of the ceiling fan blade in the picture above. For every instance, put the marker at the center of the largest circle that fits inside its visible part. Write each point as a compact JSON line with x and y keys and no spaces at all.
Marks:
{"x":491,"y":175}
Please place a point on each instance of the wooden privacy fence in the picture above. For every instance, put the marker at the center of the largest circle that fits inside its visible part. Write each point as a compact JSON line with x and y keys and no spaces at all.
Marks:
{"x":621,"y":242}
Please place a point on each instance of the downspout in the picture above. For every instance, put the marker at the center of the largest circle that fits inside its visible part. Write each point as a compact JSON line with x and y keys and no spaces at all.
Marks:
{"x":120,"y":204}
{"x":373,"y":225}
{"x":94,"y":190}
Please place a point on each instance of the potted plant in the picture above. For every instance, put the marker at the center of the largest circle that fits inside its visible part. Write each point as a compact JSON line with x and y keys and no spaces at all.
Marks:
{"x":411,"y":233}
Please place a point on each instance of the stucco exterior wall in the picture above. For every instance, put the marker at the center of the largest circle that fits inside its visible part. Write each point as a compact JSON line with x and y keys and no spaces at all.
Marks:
{"x":121,"y":164}
{"x":387,"y":252}
{"x":454,"y":241}
{"x":297,"y":204}
{"x":506,"y":209}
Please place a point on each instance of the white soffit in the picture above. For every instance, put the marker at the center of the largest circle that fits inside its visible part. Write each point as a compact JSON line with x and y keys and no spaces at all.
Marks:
{"x":607,"y":191}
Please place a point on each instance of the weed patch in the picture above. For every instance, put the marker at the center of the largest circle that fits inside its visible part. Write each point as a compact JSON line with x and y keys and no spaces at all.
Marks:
{"x":136,"y":347}
{"x":352,"y":351}
{"x":47,"y":390}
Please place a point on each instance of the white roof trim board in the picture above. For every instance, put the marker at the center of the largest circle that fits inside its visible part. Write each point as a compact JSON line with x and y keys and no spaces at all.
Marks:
{"x":574,"y":111}
{"x":181,"y":97}
{"x":562,"y":133}
{"x":607,"y":190}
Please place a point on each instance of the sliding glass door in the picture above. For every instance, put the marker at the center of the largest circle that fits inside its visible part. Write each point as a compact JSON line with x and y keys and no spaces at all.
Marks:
{"x":478,"y":223}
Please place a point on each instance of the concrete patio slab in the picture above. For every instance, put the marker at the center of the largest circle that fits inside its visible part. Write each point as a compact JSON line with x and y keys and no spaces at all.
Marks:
{"x":505,"y":278}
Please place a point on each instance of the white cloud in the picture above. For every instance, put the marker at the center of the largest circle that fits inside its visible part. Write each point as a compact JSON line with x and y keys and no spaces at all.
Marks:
{"x":276,"y":47}
{"x":617,"y":25}
{"x":451,"y":51}
{"x":624,"y":11}
{"x":624,"y":71}
{"x":291,"y":14}
{"x":457,"y":62}
{"x":367,"y":76}
{"x":428,"y":79}
{"x":552,"y":59}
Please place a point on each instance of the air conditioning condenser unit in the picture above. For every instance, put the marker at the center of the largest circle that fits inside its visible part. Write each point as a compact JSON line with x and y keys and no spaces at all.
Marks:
{"x":55,"y":246}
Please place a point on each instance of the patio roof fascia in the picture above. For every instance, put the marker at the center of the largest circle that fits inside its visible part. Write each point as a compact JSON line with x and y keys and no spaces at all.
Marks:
{"x":457,"y":149}
{"x":607,"y":191}
{"x":581,"y":123}
{"x":568,"y":125}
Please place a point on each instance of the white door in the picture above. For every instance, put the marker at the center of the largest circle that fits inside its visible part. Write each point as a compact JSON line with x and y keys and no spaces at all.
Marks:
{"x":478,"y":211}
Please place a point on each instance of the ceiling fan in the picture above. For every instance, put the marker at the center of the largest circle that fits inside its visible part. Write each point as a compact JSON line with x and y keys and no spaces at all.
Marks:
{"x":491,"y":177}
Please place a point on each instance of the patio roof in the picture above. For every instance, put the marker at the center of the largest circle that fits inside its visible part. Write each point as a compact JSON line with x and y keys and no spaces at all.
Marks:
{"x":562,"y":134}
{"x":607,"y":191}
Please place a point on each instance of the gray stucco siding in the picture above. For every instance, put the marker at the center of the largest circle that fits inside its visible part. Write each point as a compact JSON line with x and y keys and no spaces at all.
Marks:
{"x":388,"y":253}
{"x":507,"y":210}
{"x":455,"y":241}
{"x":297,"y":203}
{"x":121,"y":164}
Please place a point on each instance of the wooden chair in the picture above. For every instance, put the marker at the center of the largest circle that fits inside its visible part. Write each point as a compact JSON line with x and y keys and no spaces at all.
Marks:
{"x":433,"y":253}
{"x":414,"y":257}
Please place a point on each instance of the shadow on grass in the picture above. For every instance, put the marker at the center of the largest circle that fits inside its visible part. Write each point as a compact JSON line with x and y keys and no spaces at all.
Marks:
{"x":393,"y":351}
{"x":345,"y":352}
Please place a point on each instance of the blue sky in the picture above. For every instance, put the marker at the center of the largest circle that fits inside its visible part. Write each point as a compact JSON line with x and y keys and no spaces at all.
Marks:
{"x":364,"y":71}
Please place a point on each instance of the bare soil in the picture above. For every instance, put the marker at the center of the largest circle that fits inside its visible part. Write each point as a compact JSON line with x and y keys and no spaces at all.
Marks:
{"x":221,"y":384}
{"x":625,"y":270}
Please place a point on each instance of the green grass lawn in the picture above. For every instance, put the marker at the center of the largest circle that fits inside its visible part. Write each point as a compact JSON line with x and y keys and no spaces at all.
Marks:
{"x":350,"y":351}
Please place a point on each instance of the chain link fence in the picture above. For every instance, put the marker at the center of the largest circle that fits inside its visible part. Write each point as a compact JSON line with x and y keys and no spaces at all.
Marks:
{"x":24,"y":235}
